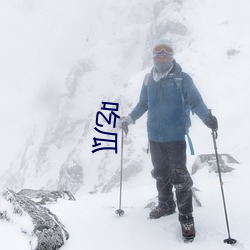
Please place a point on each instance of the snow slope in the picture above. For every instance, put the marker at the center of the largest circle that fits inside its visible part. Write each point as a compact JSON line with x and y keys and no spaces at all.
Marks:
{"x":94,"y":225}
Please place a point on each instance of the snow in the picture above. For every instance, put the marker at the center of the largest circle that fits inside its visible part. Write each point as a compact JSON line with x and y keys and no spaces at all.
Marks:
{"x":12,"y":239}
{"x":10,"y":230}
{"x":33,"y":67}
{"x":94,"y":225}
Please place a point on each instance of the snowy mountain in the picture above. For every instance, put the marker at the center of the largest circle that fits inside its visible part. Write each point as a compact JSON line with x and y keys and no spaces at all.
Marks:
{"x":59,"y":156}
{"x":212,"y":44}
{"x":116,"y":57}
{"x":56,"y":155}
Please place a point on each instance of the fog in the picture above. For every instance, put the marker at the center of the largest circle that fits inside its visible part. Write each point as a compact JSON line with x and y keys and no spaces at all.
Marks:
{"x":40,"y":42}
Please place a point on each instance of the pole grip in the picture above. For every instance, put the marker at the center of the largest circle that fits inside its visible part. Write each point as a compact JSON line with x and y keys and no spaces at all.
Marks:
{"x":214,"y":132}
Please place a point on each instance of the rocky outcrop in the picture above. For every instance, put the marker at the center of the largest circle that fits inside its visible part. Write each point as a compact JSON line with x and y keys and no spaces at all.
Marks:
{"x":45,"y":231}
{"x":209,"y":161}
{"x":43,"y":197}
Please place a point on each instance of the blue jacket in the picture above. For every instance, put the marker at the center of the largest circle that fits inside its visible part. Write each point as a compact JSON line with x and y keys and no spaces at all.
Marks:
{"x":163,"y":101}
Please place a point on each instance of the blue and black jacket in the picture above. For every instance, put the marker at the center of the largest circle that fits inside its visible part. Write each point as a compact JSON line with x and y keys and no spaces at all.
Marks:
{"x":163,"y":102}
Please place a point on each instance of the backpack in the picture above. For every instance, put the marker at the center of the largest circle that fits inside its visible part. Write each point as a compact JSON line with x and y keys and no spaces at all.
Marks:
{"x":186,"y":108}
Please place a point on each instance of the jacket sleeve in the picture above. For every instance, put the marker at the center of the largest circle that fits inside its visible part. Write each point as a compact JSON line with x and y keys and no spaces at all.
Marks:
{"x":142,"y":106}
{"x":193,"y":98}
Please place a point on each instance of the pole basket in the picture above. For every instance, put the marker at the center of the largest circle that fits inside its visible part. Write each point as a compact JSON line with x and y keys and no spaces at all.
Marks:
{"x":230,"y":241}
{"x":120,"y":212}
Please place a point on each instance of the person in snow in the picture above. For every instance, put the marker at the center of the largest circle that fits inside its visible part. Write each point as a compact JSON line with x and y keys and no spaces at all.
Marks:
{"x":161,"y":98}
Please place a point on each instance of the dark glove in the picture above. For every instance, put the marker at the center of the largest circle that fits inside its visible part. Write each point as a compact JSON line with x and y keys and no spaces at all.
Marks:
{"x":211,"y":122}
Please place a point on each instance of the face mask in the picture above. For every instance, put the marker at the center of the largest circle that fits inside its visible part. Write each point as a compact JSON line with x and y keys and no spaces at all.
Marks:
{"x":163,"y":67}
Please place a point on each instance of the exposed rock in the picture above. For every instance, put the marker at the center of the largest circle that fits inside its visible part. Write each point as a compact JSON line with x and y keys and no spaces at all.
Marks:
{"x":44,"y":196}
{"x":232,"y":52}
{"x":152,"y":203}
{"x":209,"y":160}
{"x":78,"y":71}
{"x":168,"y":23}
{"x":71,"y":173}
{"x":47,"y":229}
{"x":132,"y":168}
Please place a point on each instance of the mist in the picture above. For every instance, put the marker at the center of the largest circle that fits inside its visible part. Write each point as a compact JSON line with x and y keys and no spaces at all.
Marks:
{"x":40,"y":42}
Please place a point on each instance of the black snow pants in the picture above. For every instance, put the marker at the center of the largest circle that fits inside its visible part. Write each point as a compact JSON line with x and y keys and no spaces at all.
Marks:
{"x":169,"y":162}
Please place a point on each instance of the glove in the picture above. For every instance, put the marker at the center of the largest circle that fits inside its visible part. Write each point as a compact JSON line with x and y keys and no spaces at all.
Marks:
{"x":211,"y":122}
{"x":125,"y":121}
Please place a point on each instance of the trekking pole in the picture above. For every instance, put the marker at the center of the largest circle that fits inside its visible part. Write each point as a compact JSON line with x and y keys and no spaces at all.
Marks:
{"x":229,"y":240}
{"x":119,"y":211}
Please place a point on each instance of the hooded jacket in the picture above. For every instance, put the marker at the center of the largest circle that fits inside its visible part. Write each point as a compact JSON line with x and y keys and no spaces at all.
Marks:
{"x":163,"y":102}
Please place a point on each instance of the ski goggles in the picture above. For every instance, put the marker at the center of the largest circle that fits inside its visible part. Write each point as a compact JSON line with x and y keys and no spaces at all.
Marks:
{"x":163,"y":50}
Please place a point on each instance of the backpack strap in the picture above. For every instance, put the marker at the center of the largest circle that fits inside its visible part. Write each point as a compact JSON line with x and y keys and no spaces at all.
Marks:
{"x":178,"y":80}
